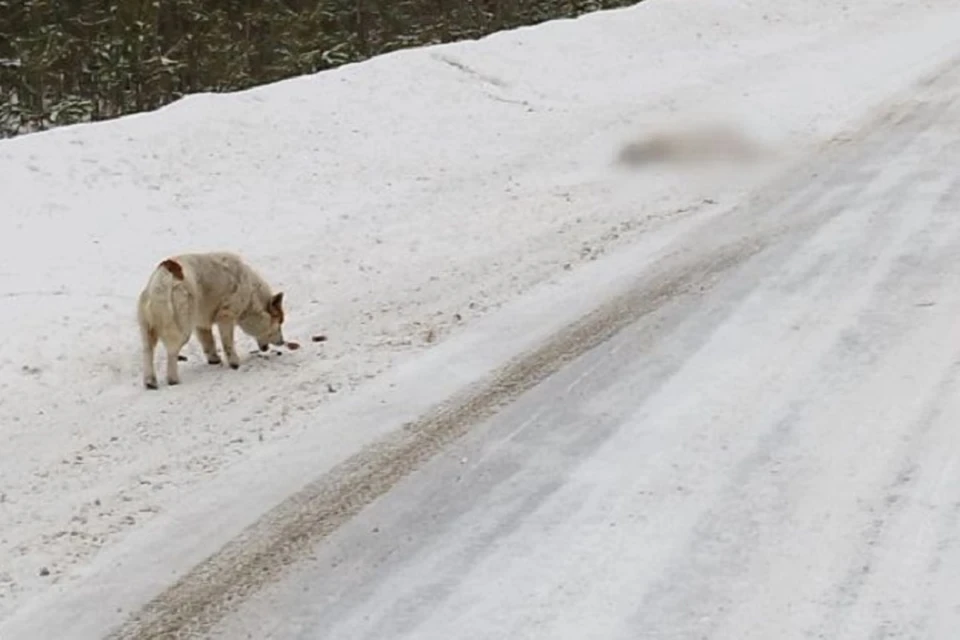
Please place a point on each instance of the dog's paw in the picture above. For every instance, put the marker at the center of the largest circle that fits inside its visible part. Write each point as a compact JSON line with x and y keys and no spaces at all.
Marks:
{"x":214,"y":360}
{"x":234,"y":365}
{"x":151,"y":383}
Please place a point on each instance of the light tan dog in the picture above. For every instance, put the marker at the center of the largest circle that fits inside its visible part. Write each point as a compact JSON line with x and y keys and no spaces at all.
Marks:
{"x":192,"y":292}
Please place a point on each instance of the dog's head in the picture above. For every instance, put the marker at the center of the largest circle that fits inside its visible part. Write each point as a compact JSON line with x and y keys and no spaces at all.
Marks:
{"x":264,"y":322}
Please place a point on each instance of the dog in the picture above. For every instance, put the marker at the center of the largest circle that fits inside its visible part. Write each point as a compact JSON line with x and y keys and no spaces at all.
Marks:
{"x":190,"y":293}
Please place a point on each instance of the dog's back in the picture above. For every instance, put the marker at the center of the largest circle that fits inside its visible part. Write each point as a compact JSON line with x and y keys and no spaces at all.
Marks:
{"x":223,"y":282}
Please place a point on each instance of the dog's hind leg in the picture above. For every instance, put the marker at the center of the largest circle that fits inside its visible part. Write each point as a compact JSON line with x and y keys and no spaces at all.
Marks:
{"x":173,"y":344}
{"x":205,"y":336}
{"x":149,"y":339}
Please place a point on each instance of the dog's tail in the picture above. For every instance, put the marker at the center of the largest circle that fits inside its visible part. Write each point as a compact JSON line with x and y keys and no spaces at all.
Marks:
{"x":167,"y":301}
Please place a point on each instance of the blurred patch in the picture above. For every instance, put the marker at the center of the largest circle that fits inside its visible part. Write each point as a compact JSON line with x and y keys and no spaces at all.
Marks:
{"x":695,"y":145}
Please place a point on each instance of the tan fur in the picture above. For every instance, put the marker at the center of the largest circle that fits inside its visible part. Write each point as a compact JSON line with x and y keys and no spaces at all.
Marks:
{"x":192,"y":292}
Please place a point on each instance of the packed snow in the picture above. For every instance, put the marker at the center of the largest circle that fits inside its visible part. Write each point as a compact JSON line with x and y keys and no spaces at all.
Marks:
{"x":396,"y":203}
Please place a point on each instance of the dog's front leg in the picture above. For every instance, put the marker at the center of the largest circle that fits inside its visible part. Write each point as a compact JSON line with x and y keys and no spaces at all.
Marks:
{"x":226,"y":338}
{"x":205,"y":336}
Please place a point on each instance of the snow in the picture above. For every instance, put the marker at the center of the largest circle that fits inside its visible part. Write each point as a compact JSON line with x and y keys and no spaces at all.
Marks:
{"x":770,"y":456}
{"x":400,"y":203}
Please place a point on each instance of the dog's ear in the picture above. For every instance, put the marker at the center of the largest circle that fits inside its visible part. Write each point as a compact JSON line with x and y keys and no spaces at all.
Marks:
{"x":276,"y":302}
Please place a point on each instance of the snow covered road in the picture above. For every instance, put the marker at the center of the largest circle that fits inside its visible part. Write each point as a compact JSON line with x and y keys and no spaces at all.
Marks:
{"x":774,"y":456}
